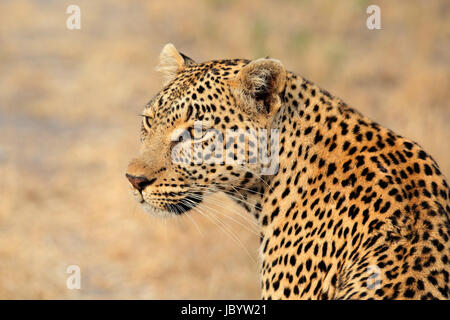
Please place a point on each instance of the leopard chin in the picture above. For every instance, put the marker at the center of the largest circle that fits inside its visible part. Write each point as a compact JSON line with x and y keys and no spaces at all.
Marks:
{"x":155,"y":212}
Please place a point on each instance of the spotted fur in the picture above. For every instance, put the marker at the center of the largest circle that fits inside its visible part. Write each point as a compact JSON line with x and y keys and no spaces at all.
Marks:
{"x":355,"y":211}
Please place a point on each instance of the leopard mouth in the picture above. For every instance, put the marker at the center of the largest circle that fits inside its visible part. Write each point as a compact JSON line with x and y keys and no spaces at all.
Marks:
{"x":185,"y":204}
{"x":171,"y":206}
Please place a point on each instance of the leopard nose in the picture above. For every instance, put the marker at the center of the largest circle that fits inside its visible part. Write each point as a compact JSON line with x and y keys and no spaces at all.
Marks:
{"x":140,"y":183}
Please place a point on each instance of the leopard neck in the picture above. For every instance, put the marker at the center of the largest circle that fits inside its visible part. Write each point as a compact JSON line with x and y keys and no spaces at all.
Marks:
{"x":306,"y":145}
{"x":305,"y":122}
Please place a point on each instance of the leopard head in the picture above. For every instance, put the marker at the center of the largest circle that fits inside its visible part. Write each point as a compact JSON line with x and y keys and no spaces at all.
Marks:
{"x":209,"y":129}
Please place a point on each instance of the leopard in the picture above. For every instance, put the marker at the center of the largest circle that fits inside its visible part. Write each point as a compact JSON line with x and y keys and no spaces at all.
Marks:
{"x":347,"y":209}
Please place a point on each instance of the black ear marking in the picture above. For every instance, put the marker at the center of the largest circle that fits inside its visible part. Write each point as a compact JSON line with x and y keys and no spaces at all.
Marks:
{"x":189,"y":112}
{"x":187,"y":61}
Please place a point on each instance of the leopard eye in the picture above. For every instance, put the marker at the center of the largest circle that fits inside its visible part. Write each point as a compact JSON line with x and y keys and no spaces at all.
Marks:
{"x":196,"y":135}
{"x":147,"y":121}
{"x":179,"y":135}
{"x":179,"y":139}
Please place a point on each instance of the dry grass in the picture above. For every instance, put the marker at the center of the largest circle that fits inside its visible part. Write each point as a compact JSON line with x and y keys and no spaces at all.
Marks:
{"x":68,"y":126}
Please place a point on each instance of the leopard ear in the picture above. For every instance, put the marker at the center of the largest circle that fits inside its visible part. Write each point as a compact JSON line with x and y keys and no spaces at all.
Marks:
{"x":171,"y":62}
{"x":259,"y":84}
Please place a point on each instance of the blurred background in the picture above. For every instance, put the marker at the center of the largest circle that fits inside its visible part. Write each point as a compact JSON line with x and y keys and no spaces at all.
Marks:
{"x":69,"y":101}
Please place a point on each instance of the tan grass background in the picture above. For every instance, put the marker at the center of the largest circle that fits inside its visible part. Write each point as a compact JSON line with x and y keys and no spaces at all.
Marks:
{"x":69,"y":102}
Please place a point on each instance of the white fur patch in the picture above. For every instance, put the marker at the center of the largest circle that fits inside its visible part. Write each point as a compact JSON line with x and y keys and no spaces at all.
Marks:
{"x":170,"y":62}
{"x":258,"y":77}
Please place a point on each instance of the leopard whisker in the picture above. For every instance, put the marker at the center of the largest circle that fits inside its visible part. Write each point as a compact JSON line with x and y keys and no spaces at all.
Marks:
{"x":225,"y":228}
